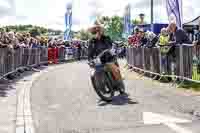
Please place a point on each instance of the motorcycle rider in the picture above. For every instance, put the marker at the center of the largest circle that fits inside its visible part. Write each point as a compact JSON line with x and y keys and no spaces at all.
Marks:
{"x":99,"y":43}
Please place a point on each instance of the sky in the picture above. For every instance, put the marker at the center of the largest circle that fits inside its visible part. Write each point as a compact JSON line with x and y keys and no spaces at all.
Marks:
{"x":50,"y":13}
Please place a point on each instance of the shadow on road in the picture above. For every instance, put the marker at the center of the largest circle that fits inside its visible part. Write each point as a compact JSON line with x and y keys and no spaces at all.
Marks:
{"x":118,"y":100}
{"x":6,"y":90}
{"x":7,"y":85}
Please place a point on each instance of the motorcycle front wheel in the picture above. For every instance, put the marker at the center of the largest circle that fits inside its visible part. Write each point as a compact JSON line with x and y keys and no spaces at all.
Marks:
{"x":102,"y":86}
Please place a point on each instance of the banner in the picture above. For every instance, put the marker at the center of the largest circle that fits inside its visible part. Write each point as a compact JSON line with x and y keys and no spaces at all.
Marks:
{"x":68,"y":22}
{"x":174,"y":11}
{"x":127,"y":21}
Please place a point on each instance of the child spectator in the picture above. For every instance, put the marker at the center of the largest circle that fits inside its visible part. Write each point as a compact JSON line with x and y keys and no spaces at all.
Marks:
{"x":164,"y":48}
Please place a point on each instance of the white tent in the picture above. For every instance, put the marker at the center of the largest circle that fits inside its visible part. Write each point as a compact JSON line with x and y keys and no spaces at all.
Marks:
{"x":196,"y":21}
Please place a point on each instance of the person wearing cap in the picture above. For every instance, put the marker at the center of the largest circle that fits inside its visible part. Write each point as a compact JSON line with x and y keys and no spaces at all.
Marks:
{"x":134,"y":40}
{"x":143,"y":38}
{"x":98,"y":44}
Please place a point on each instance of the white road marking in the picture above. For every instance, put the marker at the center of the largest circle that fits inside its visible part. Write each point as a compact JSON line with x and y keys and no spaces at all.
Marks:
{"x":177,"y":128}
{"x":153,"y":118}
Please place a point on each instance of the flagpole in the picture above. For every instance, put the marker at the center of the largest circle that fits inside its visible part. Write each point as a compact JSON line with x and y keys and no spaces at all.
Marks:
{"x":152,"y":11}
{"x":152,"y":6}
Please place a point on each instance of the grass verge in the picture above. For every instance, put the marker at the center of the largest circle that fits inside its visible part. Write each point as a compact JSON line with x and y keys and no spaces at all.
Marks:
{"x":190,"y":86}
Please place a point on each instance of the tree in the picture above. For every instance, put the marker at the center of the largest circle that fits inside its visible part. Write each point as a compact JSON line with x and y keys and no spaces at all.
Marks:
{"x":34,"y":32}
{"x":43,"y":30}
{"x":113,"y":27}
{"x":83,"y":35}
{"x":22,"y":27}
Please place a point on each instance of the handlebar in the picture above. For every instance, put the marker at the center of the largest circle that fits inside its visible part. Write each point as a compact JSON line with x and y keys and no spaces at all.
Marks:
{"x":101,"y":54}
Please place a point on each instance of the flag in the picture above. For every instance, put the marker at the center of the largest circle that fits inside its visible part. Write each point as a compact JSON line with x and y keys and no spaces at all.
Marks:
{"x":174,"y":11}
{"x":127,"y":21}
{"x":68,"y":23}
{"x":68,"y":19}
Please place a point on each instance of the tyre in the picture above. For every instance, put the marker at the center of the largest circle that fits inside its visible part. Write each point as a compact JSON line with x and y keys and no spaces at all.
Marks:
{"x":102,"y":86}
{"x":121,"y":86}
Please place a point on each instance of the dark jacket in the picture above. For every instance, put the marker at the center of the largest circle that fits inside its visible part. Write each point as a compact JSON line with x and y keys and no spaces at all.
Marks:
{"x":98,"y":46}
{"x":152,"y":43}
{"x":197,"y":38}
{"x":180,"y":37}
{"x":143,"y":41}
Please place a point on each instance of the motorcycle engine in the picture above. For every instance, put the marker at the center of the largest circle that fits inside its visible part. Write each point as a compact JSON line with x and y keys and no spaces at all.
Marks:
{"x":107,"y":57}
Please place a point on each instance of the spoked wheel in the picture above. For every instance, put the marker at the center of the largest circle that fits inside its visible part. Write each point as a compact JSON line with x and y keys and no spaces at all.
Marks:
{"x":103,"y":87}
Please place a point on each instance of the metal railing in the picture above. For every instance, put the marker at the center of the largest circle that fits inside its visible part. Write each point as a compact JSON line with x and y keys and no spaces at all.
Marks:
{"x":74,"y":53}
{"x":181,"y":62}
{"x":13,"y":59}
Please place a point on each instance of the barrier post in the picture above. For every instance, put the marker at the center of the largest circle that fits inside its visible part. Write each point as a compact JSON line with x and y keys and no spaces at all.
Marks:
{"x":151,"y":62}
{"x":161,"y":67}
{"x":143,"y":59}
{"x":12,"y":59}
{"x":181,"y":60}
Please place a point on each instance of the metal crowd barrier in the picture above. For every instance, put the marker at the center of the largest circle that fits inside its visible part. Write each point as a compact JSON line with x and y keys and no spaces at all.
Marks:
{"x":61,"y":54}
{"x":183,"y":62}
{"x":13,"y":59}
{"x":75,"y":53}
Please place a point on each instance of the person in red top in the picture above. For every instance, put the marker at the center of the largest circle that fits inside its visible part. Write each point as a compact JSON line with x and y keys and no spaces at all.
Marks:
{"x":134,"y":40}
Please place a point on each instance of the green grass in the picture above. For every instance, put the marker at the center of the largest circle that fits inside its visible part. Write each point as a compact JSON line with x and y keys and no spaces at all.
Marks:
{"x":195,"y":75}
{"x":190,"y":86}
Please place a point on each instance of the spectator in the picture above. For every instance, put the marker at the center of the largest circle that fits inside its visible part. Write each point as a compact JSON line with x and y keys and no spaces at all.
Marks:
{"x":79,"y":50}
{"x":143,"y":38}
{"x":142,"y":22}
{"x":197,"y":37}
{"x":134,"y":40}
{"x":196,"y":58}
{"x":10,"y":41}
{"x":152,"y":39}
{"x":163,"y":41}
{"x":178,"y":36}
{"x":18,"y":40}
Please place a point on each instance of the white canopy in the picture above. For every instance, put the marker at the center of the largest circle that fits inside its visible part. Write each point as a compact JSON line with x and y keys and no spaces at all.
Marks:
{"x":196,"y":21}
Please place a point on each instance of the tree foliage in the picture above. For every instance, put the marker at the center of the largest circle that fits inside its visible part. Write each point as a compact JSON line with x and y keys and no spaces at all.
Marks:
{"x":35,"y":30}
{"x":113,"y":26}
{"x":83,"y":35}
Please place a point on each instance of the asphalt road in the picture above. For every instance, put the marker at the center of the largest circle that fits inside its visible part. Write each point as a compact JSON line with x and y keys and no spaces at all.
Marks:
{"x":63,"y":101}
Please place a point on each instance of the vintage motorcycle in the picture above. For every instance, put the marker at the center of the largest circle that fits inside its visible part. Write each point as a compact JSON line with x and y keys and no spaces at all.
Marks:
{"x":103,"y":79}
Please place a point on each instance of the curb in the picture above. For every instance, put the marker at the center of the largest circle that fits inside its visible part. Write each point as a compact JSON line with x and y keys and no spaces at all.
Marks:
{"x":24,"y":120}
